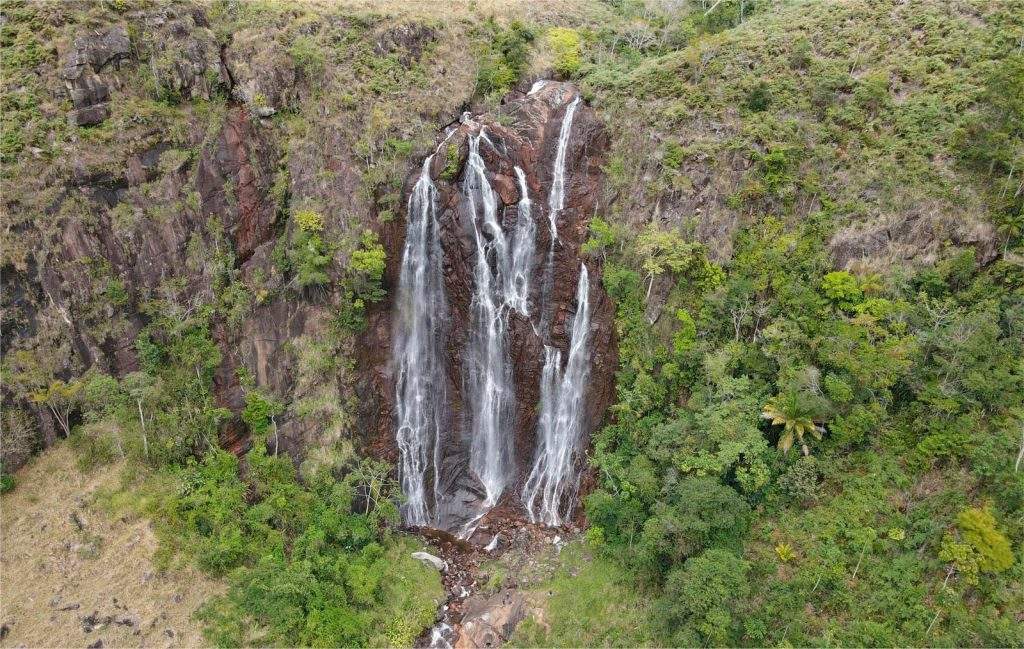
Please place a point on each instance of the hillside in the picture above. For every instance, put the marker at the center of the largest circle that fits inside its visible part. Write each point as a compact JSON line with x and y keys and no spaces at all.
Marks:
{"x":734,"y":289}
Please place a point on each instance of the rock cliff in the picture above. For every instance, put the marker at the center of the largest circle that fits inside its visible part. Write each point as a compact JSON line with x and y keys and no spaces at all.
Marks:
{"x":525,"y":135}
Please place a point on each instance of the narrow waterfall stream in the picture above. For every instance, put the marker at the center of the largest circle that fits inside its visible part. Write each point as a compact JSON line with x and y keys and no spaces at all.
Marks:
{"x":522,"y":249}
{"x":549,"y":494}
{"x":420,"y":381}
{"x":556,"y":203}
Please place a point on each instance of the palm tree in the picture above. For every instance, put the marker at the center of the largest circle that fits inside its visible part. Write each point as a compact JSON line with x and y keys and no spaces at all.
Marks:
{"x":798,"y":414}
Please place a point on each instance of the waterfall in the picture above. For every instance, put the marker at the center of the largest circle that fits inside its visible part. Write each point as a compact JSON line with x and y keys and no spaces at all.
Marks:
{"x":556,"y":201}
{"x":550,"y":491}
{"x":522,"y":250}
{"x":500,"y":255}
{"x":489,"y":372}
{"x":420,"y":398}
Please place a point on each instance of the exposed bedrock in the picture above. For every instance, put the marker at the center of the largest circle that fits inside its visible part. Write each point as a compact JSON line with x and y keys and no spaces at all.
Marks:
{"x":526,"y":137}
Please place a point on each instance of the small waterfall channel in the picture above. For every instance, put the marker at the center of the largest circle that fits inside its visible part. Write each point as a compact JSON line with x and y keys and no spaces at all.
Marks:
{"x":501,"y":259}
{"x":488,"y":367}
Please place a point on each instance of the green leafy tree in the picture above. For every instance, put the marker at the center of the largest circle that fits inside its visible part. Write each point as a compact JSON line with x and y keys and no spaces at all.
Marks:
{"x":700,"y":604}
{"x":842,"y":289}
{"x":567,"y":48}
{"x":799,"y":415}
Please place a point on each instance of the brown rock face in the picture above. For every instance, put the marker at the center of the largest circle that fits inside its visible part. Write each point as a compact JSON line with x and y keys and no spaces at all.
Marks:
{"x":529,"y":142}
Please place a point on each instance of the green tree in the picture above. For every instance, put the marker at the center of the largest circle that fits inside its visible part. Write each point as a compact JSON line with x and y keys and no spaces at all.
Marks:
{"x":798,"y":414}
{"x":700,"y":604}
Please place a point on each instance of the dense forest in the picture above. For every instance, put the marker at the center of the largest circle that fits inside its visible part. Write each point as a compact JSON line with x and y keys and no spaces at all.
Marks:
{"x":809,"y":227}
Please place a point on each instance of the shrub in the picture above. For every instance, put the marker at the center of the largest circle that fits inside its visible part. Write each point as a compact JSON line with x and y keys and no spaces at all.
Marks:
{"x":451,"y":165}
{"x":842,"y":289}
{"x":700,"y":602}
{"x":362,"y":284}
{"x":259,"y":412}
{"x":6,"y":481}
{"x":309,"y":220}
{"x":505,"y":59}
{"x":674,"y":155}
{"x":978,"y":528}
{"x":801,"y":479}
{"x":758,"y":99}
{"x":565,"y":43}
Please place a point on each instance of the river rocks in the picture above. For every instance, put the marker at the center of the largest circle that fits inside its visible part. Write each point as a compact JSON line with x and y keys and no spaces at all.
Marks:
{"x":430,"y":560}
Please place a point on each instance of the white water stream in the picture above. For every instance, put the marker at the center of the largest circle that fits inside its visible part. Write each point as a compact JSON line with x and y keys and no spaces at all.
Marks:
{"x":421,"y":309}
{"x":549,"y":494}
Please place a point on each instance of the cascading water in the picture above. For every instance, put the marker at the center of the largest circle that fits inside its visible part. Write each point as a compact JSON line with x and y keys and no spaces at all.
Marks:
{"x":421,"y":402}
{"x":491,"y":395}
{"x":556,"y":199}
{"x":550,"y":491}
{"x":456,"y":440}
{"x":522,"y":250}
{"x":556,"y":202}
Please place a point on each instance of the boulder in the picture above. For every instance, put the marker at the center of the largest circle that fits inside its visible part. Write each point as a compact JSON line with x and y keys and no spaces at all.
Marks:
{"x":432,"y":561}
{"x":82,"y":64}
{"x":489,"y":622}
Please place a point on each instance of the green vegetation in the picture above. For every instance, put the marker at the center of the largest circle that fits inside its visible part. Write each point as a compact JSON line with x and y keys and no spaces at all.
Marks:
{"x":504,"y":59}
{"x":900,"y":385}
{"x":589,"y":602}
{"x":812,"y":236}
{"x":565,"y":43}
{"x":309,"y":563}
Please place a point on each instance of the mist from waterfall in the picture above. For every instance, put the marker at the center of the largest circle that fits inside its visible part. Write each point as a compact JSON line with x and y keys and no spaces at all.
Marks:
{"x":420,"y":397}
{"x":549,"y":494}
{"x":491,"y":397}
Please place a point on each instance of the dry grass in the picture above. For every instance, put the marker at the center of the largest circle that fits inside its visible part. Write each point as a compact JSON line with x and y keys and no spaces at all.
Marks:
{"x":536,"y":11}
{"x":54,"y":576}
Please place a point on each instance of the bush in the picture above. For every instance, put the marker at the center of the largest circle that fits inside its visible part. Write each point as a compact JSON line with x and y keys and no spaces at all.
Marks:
{"x":6,"y":482}
{"x":758,"y":99}
{"x":305,"y":568}
{"x":978,"y":528}
{"x":800,"y":481}
{"x":505,"y":59}
{"x":700,"y":604}
{"x":842,"y":289}
{"x":309,"y":221}
{"x":565,"y":43}
{"x":699,"y":513}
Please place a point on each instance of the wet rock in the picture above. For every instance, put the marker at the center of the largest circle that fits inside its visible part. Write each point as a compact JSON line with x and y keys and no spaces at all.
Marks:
{"x":530,"y":143}
{"x":430,"y":560}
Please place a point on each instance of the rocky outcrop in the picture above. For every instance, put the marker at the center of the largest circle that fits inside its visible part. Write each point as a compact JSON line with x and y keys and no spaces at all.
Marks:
{"x":490,"y":621}
{"x":526,"y":137}
{"x":83,"y":63}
